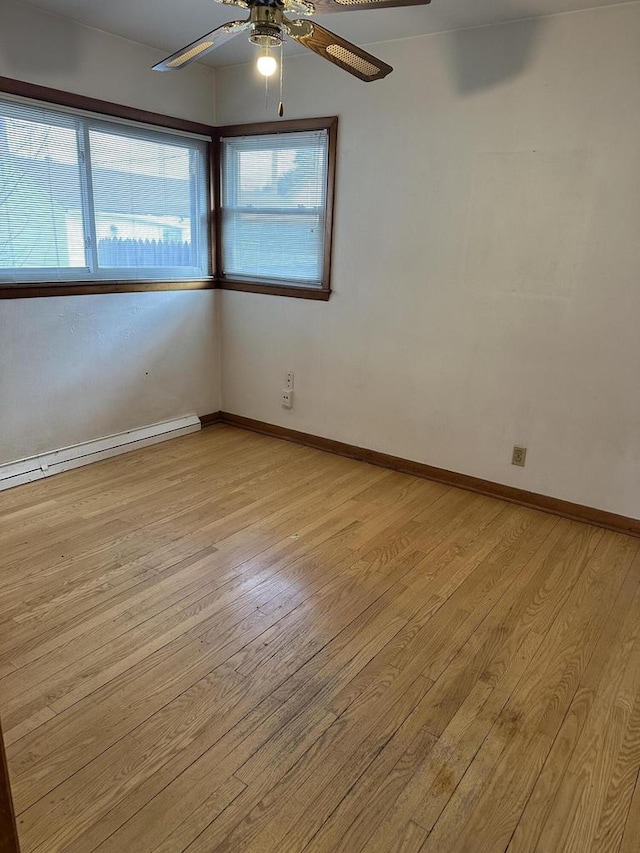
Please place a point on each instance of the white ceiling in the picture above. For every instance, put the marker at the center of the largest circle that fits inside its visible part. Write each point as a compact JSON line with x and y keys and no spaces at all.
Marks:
{"x":170,"y":24}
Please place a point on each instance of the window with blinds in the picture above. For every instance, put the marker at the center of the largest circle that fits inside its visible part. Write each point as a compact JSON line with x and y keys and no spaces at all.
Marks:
{"x":83,"y":198}
{"x":274,"y":191}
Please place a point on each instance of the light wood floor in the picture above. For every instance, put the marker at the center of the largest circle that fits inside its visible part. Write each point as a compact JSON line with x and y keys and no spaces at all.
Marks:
{"x":232,"y":643}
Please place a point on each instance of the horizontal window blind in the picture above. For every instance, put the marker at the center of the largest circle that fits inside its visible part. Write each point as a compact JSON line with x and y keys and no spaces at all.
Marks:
{"x":82,"y":198}
{"x":274,"y":196}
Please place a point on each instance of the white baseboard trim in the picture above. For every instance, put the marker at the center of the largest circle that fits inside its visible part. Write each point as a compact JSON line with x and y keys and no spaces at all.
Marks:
{"x":55,"y":461}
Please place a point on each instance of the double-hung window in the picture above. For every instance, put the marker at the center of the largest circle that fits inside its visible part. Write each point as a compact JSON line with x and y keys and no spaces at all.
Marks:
{"x":276,"y":198}
{"x":83,"y":198}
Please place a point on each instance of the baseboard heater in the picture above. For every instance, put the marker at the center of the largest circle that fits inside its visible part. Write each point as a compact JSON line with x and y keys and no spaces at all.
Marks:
{"x":53,"y":462}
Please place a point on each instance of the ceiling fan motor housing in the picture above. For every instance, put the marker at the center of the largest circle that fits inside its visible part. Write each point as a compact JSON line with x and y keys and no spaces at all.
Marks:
{"x":266,"y":23}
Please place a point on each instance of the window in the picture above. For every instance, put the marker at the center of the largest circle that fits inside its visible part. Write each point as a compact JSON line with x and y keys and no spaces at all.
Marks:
{"x":98,"y":197}
{"x":276,"y":198}
{"x":84,"y":198}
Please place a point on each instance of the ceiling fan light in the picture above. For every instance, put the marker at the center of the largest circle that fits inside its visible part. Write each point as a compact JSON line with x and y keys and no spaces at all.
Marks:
{"x":266,"y":65}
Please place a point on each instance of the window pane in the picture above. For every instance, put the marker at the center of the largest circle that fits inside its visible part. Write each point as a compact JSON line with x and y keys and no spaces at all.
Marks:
{"x":83,"y":197}
{"x":41,"y":220}
{"x":274,"y":206}
{"x":149,"y":199}
{"x":285,"y":247}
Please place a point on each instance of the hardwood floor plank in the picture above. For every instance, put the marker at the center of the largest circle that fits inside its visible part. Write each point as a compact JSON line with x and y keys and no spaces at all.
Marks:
{"x":521,"y":739}
{"x":587,"y":779}
{"x":228,"y":642}
{"x":120,"y":759}
{"x":361,"y":768}
{"x":609,"y":658}
{"x":356,"y":817}
{"x":631,"y":831}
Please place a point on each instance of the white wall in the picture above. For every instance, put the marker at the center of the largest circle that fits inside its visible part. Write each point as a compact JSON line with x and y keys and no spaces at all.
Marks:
{"x":486,"y":258}
{"x":74,"y":368}
{"x":52,"y":50}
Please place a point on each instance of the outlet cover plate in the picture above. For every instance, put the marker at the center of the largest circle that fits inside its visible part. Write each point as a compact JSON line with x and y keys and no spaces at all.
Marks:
{"x":519,"y":456}
{"x":287,"y":399}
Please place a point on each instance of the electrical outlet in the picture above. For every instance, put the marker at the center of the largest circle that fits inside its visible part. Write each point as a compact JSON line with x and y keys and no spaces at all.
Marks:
{"x":287,"y":399}
{"x":288,"y":380}
{"x":519,"y":456}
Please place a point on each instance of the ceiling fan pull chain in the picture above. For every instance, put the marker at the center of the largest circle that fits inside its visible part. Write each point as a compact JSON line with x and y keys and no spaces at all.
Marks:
{"x":281,"y":104}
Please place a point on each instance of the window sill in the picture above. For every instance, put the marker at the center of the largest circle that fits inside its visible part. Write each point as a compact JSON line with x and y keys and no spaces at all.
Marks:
{"x":90,"y":288}
{"x":86,"y":288}
{"x":317,"y":293}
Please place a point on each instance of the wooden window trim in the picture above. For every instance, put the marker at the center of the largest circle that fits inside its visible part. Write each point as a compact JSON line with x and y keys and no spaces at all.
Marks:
{"x":330,"y":124}
{"x":56,"y":97}
{"x":92,"y":288}
{"x":276,"y":289}
{"x":9,"y":86}
{"x":72,"y":100}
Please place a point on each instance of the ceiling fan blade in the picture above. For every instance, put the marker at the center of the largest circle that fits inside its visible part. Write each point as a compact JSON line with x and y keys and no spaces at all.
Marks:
{"x":342,"y":53}
{"x":324,"y":6}
{"x":201,"y":46}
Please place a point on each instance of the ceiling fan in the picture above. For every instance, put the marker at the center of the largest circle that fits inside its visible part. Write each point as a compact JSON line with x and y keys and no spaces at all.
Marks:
{"x":267,"y":26}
